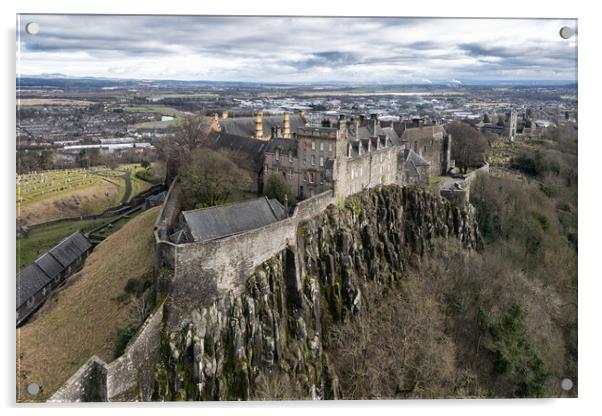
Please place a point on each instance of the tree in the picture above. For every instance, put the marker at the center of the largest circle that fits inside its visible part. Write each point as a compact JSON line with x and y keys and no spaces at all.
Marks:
{"x":500,"y":121}
{"x":469,"y":145}
{"x":192,"y":133}
{"x":277,"y":187}
{"x":486,"y":118}
{"x":209,"y":177}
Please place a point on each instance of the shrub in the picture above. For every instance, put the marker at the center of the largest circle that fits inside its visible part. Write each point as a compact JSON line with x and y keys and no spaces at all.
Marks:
{"x":124,"y":335}
{"x":513,"y":355}
{"x":277,"y":187}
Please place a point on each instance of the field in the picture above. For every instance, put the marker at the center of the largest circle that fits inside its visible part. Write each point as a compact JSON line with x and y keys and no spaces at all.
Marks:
{"x":52,"y":101}
{"x":160,"y":109}
{"x":82,"y":319}
{"x":48,"y":195}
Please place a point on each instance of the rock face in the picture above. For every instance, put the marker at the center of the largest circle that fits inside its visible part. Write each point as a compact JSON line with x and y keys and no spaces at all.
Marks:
{"x":268,"y":342}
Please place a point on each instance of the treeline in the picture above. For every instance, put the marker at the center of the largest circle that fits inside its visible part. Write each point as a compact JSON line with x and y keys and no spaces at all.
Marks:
{"x":34,"y":161}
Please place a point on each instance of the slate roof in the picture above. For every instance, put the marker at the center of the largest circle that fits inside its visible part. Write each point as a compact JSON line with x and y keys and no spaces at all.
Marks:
{"x":413,"y":160}
{"x":30,"y":281}
{"x":221,"y":221}
{"x":49,"y":265}
{"x":283,"y":145}
{"x":245,"y":126}
{"x":160,"y":197}
{"x":178,"y":237}
{"x":252,"y":147}
{"x":426,"y":132}
{"x":70,"y":249}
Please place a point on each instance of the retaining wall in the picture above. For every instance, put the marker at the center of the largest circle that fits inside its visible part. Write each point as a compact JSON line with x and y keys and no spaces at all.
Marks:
{"x":128,"y":378}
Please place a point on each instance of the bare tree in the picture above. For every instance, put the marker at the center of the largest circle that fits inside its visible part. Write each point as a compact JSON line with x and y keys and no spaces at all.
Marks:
{"x":469,"y":145}
{"x":191,"y":133}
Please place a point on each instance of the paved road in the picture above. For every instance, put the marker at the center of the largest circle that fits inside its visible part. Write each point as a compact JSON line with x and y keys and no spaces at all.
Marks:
{"x":128,"y":187}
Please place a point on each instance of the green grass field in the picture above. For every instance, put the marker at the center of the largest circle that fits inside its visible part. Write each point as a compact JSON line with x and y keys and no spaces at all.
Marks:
{"x":160,"y":109}
{"x":43,"y":238}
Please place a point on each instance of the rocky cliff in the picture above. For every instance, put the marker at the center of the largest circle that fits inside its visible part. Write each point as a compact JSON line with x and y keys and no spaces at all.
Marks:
{"x":269,"y":341}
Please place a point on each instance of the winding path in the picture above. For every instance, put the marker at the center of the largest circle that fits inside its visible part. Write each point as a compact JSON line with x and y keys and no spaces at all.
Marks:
{"x":128,"y":187}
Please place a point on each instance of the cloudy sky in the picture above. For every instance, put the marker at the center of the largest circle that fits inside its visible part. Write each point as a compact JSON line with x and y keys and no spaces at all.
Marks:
{"x":296,"y":49}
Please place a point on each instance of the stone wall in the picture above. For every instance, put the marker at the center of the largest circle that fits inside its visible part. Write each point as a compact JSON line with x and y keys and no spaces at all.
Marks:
{"x":165,"y":250}
{"x":131,"y":376}
{"x":128,"y":378}
{"x":210,"y":270}
{"x":88,"y":384}
{"x":460,"y":197}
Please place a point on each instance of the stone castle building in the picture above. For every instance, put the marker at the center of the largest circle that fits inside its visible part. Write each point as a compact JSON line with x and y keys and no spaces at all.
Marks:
{"x":347,"y":154}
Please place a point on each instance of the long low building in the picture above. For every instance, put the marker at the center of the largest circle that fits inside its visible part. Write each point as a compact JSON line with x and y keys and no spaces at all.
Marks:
{"x":221,"y":221}
{"x":36,"y":282}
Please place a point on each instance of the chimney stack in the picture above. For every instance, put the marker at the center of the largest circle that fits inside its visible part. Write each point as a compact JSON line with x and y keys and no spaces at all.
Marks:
{"x":286,"y":131}
{"x":259,"y":125}
{"x":215,"y":123}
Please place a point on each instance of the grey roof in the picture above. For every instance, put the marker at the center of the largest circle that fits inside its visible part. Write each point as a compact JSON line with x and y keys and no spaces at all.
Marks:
{"x":412,"y":161}
{"x":245,"y":126}
{"x":415,"y":158}
{"x":283,"y":145}
{"x":221,"y":221}
{"x":425,"y":132}
{"x":71,"y":248}
{"x":30,"y":280}
{"x":160,"y":197}
{"x":49,"y":265}
{"x":178,"y":237}
{"x":252,"y":147}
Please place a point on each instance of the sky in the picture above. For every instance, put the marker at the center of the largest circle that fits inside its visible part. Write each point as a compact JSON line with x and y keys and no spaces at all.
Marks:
{"x":297,"y":49}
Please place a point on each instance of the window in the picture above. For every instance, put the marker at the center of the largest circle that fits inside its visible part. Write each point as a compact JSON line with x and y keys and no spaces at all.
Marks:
{"x":361,"y":172}
{"x":290,"y":173}
{"x":313,"y":159}
{"x":330,"y":147}
{"x":290,"y":156}
{"x":313,"y":145}
{"x":424,"y":150}
{"x":277,"y":154}
{"x":311,"y":177}
{"x":381,"y":158}
{"x":321,"y":147}
{"x":321,"y":161}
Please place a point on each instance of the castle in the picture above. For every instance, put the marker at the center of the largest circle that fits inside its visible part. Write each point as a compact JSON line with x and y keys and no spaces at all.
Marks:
{"x":347,"y":154}
{"x":213,"y":252}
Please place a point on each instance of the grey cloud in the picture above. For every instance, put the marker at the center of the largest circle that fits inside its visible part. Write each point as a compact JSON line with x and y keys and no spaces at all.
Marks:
{"x":264,"y":47}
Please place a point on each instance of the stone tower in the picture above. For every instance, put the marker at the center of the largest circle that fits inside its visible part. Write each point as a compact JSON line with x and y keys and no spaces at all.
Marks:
{"x":510,"y":126}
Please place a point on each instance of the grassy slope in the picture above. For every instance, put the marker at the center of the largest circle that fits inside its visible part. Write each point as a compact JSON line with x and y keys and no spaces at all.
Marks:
{"x":90,"y":200}
{"x":82,"y":319}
